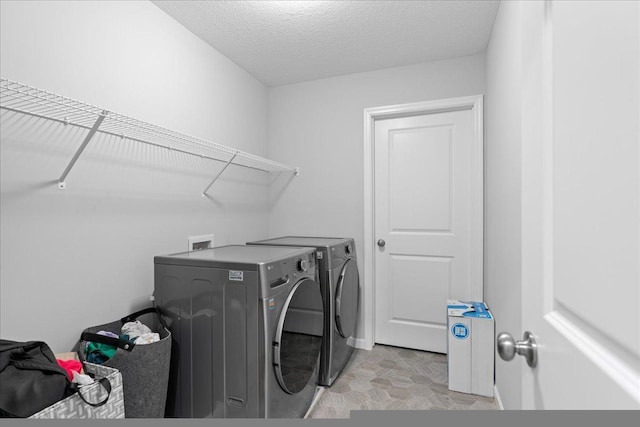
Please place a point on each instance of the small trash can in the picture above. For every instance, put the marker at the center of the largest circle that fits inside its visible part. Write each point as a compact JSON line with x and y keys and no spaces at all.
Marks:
{"x":470,"y":347}
{"x":144,"y":367}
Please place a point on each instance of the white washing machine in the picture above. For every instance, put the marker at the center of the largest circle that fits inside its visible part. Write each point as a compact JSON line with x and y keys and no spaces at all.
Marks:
{"x":240,"y":349}
{"x":340,"y":286}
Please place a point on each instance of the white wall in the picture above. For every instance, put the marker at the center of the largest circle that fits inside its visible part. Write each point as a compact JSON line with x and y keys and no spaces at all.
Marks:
{"x":318,"y":126}
{"x":503,"y":167}
{"x":84,"y":256}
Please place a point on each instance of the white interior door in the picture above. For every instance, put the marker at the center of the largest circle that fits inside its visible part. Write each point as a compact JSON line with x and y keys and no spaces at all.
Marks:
{"x":425,"y":213}
{"x":581,"y":198}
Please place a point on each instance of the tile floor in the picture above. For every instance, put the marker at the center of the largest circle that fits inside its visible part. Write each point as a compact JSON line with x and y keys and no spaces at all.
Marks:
{"x":393,"y":378}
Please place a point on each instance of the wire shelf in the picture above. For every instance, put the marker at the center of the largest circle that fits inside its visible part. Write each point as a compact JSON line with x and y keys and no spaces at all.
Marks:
{"x":21,"y":98}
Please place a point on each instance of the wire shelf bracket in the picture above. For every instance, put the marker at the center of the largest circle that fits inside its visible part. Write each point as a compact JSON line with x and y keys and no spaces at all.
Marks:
{"x":92,"y":132}
{"x":29,"y":100}
{"x":218,"y":176}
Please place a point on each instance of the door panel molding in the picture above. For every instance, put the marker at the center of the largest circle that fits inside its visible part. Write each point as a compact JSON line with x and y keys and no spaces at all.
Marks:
{"x":616,"y":362}
{"x":473,"y":103}
{"x":401,"y":157}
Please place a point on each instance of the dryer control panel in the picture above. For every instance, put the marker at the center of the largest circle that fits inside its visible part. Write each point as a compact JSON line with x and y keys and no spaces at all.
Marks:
{"x":341,"y":253}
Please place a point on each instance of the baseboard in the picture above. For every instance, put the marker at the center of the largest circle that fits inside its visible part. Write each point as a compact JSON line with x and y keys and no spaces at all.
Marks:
{"x":496,"y":395}
{"x":361,"y":343}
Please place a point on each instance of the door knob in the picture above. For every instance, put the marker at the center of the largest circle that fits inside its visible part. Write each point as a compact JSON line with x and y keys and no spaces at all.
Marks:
{"x":508,"y":347}
{"x":381,"y":243}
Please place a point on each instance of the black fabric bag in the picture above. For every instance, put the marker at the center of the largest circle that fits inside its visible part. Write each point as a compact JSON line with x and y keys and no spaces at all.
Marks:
{"x":30,"y":378}
{"x":144,"y":367}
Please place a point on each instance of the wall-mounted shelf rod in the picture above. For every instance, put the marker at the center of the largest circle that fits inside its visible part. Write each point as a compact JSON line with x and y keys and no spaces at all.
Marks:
{"x":21,"y":98}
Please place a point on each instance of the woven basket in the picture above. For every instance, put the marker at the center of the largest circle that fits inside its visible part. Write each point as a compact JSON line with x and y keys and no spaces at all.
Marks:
{"x":74,"y":407}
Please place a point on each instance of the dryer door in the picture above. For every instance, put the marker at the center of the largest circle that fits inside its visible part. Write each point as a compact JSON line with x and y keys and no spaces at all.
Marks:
{"x":296,"y":347}
{"x":347,"y":298}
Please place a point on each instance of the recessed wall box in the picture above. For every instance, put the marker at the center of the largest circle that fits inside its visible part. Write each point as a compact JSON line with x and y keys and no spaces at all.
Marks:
{"x":200,"y":242}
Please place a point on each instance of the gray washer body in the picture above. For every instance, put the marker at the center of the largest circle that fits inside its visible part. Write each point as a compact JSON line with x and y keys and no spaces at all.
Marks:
{"x":225,"y":307}
{"x":340,"y":286}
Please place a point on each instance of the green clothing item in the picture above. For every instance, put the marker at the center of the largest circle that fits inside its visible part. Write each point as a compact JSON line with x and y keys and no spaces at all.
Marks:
{"x":99,"y":353}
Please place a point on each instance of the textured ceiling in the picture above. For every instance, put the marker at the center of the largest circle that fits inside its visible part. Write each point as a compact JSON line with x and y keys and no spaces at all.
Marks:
{"x":282,"y":42}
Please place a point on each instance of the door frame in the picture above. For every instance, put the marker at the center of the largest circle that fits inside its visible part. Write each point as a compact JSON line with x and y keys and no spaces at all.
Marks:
{"x":473,"y":103}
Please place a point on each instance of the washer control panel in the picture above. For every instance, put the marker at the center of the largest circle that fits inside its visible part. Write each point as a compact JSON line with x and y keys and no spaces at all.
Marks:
{"x":302,"y":265}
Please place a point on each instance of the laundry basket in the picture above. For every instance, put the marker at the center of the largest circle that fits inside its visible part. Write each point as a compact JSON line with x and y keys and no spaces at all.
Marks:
{"x":144,"y":367}
{"x":102,"y":399}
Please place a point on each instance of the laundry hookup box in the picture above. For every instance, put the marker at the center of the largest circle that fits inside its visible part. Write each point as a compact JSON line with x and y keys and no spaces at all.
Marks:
{"x":470,"y":347}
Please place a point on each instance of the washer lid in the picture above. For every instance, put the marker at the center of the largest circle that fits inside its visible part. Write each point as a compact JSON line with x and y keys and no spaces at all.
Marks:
{"x":303,"y":241}
{"x":347,"y":299}
{"x":240,"y":256}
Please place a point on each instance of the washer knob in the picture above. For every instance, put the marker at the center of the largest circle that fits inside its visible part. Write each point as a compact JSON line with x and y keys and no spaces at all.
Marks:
{"x":347,"y":249}
{"x":302,"y":265}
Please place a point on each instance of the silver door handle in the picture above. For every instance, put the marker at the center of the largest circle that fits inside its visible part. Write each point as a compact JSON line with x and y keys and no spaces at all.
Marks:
{"x":381,"y":243}
{"x":508,"y":347}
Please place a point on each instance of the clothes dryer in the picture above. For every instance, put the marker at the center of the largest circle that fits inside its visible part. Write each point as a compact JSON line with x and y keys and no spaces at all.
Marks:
{"x":240,"y":350}
{"x":340,"y":286}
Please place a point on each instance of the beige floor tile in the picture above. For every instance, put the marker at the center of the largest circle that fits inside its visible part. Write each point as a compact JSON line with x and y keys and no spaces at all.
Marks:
{"x":391,"y":378}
